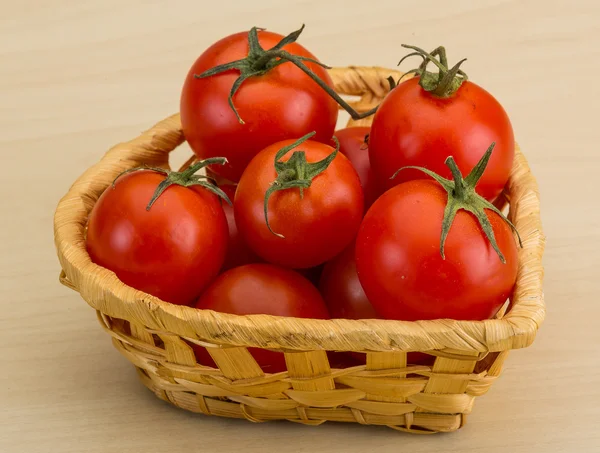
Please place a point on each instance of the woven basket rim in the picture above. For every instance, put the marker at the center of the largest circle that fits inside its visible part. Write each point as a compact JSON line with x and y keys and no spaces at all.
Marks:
{"x":103,"y":291}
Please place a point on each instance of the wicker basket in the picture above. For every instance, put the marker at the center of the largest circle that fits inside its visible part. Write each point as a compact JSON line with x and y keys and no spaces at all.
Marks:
{"x":155,"y":335}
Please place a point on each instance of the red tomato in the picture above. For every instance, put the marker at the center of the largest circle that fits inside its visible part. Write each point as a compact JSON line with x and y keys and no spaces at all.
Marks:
{"x":346,"y":299}
{"x":262,"y":289}
{"x":315,"y":226}
{"x":353,"y":146}
{"x":238,"y":252}
{"x":419,"y":358}
{"x":343,"y":359}
{"x":280,"y":104}
{"x":173,"y":250}
{"x":344,"y":295}
{"x":342,"y":290}
{"x":414,"y":127}
{"x":403,"y":273}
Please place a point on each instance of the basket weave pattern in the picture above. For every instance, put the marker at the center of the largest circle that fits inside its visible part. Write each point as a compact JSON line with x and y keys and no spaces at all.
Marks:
{"x":155,"y":336}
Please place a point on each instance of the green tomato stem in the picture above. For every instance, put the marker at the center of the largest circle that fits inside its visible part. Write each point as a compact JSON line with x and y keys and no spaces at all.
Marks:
{"x":186,"y":178}
{"x":259,"y":61}
{"x":446,"y":81}
{"x":462,"y":195}
{"x":296,"y":172}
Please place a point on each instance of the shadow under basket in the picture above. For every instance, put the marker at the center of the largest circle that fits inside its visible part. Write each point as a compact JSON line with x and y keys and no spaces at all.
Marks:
{"x":385,"y":389}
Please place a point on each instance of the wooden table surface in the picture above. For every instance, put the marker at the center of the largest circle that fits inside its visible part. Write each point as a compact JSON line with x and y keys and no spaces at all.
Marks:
{"x":78,"y":76}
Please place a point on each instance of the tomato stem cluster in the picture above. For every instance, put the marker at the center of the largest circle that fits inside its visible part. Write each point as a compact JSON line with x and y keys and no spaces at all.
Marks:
{"x":442,"y":84}
{"x":462,"y":195}
{"x":260,"y":61}
{"x":296,"y":172}
{"x":185,"y":178}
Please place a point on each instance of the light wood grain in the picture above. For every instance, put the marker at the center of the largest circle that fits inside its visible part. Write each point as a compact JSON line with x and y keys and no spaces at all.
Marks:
{"x":78,"y":76}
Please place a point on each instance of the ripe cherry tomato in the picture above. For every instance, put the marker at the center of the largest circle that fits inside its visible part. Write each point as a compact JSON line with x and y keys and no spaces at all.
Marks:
{"x":262,"y":289}
{"x":342,"y":291}
{"x":172,"y":250}
{"x":403,"y":273}
{"x":354,"y":147}
{"x":346,"y":299}
{"x":238,"y":252}
{"x":344,"y":360}
{"x":414,"y":127}
{"x":317,"y":224}
{"x":281,"y":103}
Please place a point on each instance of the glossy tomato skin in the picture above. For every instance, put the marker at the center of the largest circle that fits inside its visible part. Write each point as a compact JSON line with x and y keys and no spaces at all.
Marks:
{"x":316,"y":226}
{"x":173,"y":251}
{"x":402,"y":272}
{"x":342,"y":291}
{"x":263,"y":289}
{"x":413,"y":127}
{"x":284,"y":103}
{"x":238,"y":252}
{"x":352,"y":145}
{"x":346,"y":299}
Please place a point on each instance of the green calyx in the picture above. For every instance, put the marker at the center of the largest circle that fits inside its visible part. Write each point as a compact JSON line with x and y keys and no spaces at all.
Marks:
{"x":296,"y":172}
{"x":442,"y":84}
{"x":186,"y":178}
{"x":462,"y":195}
{"x":260,"y":61}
